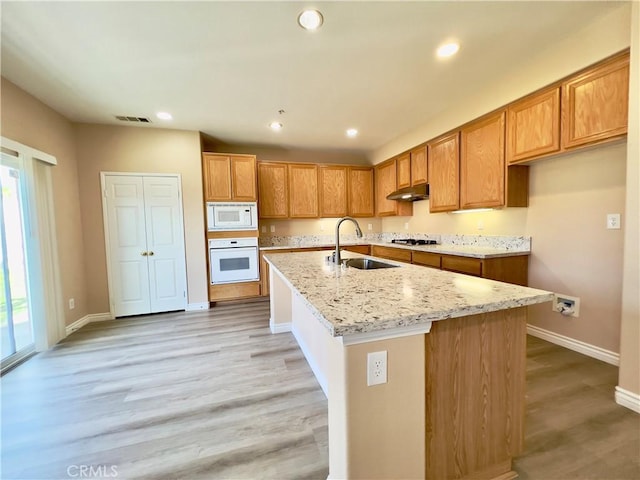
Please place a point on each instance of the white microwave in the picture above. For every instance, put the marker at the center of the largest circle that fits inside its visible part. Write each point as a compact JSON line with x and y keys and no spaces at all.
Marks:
{"x":232,"y":216}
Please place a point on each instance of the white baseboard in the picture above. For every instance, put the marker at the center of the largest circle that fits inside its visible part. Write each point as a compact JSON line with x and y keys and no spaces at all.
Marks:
{"x":628,"y":399}
{"x":92,"y":317}
{"x":279,"y":327}
{"x":575,"y":345}
{"x":191,"y":307}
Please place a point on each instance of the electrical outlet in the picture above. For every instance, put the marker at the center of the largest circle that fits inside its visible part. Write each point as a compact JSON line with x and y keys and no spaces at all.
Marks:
{"x":273,"y":229}
{"x":406,"y":225}
{"x":321,"y":226}
{"x":369,"y":226}
{"x":566,"y":305}
{"x":613,"y":221}
{"x":264,"y":229}
{"x":480,"y":225}
{"x":376,"y":368}
{"x":72,"y":303}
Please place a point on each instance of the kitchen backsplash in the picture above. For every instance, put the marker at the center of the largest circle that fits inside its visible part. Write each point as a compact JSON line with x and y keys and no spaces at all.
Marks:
{"x":483,"y":241}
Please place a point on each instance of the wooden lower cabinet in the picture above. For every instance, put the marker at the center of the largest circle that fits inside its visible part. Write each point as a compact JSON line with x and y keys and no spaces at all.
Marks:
{"x":398,"y":254}
{"x":503,"y":269}
{"x":233,"y":291}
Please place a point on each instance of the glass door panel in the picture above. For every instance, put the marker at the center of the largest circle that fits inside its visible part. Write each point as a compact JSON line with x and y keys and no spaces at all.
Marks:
{"x":15,"y":318}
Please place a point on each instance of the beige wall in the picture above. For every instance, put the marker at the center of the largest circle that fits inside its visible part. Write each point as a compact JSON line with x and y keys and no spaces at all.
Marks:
{"x":316,"y":226}
{"x":630,"y":325}
{"x":102,"y":148}
{"x":30,"y":122}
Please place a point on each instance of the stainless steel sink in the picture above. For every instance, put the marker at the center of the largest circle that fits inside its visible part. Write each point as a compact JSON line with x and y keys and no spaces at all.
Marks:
{"x":367,"y":264}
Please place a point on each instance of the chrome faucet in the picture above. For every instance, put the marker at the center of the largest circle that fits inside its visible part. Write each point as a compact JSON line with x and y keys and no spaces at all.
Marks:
{"x":336,"y":255}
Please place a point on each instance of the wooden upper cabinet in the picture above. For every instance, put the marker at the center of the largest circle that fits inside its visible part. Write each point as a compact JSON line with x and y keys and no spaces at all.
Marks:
{"x":403,"y":167}
{"x":361,"y":201}
{"x":533,"y":126}
{"x":386,"y":183}
{"x":229,"y":177}
{"x":595,"y":104}
{"x":444,"y":173}
{"x":216,"y":171}
{"x":482,"y":167}
{"x":385,"y":174}
{"x":303,"y":190}
{"x":332,"y":184}
{"x":243,"y":179}
{"x":419,"y":166}
{"x":273,"y":188}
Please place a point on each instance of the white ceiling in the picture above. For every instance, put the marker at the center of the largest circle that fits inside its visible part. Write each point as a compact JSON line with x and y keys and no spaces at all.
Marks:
{"x":226,"y":68}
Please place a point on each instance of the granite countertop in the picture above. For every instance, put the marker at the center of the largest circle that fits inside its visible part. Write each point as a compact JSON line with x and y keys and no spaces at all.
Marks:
{"x":472,"y":251}
{"x":349,"y":301}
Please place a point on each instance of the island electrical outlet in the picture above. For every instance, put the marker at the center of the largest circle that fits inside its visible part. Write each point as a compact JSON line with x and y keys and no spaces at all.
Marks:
{"x":376,"y":368}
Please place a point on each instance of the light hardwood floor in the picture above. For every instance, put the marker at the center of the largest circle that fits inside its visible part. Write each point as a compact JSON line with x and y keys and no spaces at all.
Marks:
{"x":214,"y":395}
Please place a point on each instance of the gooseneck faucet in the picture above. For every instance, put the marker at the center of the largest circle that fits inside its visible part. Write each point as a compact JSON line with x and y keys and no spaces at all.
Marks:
{"x":336,"y":256}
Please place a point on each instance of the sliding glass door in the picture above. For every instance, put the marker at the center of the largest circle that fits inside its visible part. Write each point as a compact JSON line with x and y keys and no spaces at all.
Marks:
{"x":15,"y":312}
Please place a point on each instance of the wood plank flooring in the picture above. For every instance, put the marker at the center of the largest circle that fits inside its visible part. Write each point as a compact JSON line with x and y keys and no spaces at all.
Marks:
{"x":214,"y":395}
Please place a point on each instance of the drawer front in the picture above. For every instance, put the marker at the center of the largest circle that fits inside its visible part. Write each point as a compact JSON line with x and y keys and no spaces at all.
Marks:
{"x":471,"y":266}
{"x":363,"y":249}
{"x":426,"y":259}
{"x":391,"y":253}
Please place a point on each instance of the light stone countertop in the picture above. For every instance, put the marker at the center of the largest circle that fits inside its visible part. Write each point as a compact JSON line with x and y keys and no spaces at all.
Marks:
{"x":445,"y":249}
{"x":350,"y":301}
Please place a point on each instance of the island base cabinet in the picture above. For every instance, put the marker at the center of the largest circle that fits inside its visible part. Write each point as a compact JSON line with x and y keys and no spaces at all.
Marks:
{"x":475,"y":389}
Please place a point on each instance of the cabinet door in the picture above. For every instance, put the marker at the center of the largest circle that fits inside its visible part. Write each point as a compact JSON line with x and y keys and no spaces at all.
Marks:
{"x":332,"y":183}
{"x":533,"y":126}
{"x":419,"y":166}
{"x":385,"y":184}
{"x":273,"y":190}
{"x":361,"y":192}
{"x":216,"y":170}
{"x":403,"y":166}
{"x":243,"y":179}
{"x":303,"y":190}
{"x":398,"y":254}
{"x":444,"y":173}
{"x":482,"y":166}
{"x":595,"y":104}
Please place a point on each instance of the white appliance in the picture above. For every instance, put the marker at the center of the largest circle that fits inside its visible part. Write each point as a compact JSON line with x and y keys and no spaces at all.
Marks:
{"x":233,"y":260}
{"x":232,"y":216}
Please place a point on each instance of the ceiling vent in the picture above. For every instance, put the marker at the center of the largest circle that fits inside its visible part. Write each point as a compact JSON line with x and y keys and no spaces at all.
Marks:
{"x":124,"y":118}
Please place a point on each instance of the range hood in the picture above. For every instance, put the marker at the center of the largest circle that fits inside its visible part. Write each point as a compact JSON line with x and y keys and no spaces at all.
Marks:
{"x":410,"y":194}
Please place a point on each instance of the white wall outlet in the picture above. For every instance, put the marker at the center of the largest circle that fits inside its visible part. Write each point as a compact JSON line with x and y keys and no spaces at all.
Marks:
{"x":72,"y":303}
{"x":369,"y":227}
{"x":272,"y":228}
{"x":613,"y":221}
{"x":566,"y":305}
{"x":480,"y":225}
{"x":264,"y":229}
{"x":376,"y":368}
{"x":321,"y":226}
{"x":406,"y":225}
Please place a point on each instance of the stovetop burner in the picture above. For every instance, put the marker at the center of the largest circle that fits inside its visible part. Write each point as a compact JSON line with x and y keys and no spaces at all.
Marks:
{"x":413,"y":241}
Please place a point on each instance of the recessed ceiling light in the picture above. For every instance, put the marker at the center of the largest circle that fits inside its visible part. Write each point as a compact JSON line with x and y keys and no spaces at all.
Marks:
{"x":448,"y":49}
{"x":310,"y":19}
{"x":164,"y":115}
{"x":275,"y":126}
{"x":352,"y":132}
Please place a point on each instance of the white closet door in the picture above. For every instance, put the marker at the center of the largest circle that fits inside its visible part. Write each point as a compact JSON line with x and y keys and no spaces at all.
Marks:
{"x":165,"y":244}
{"x":129,"y":271}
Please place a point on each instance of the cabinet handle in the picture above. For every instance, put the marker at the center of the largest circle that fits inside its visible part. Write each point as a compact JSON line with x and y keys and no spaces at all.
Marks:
{"x":150,"y":254}
{"x":144,"y":254}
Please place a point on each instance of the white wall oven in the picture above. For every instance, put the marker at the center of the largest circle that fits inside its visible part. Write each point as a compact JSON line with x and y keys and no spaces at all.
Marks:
{"x":233,"y":260}
{"x":232,"y":216}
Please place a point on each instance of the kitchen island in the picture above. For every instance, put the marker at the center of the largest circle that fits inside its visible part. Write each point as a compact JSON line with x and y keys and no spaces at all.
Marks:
{"x":453,"y":403}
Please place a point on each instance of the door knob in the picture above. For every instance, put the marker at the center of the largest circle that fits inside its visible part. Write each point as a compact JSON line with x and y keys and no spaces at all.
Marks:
{"x":144,"y":254}
{"x":150,"y":253}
